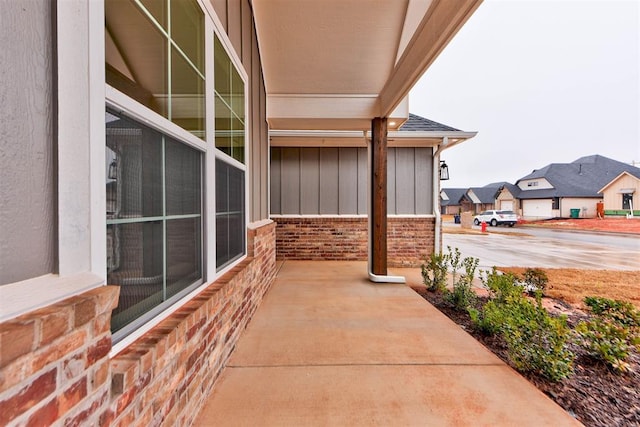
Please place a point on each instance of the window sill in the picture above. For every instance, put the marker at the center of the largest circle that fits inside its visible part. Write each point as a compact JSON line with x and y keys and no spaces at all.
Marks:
{"x":21,"y":297}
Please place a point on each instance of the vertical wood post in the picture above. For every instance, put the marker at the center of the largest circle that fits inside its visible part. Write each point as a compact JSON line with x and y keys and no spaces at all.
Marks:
{"x":378,"y":230}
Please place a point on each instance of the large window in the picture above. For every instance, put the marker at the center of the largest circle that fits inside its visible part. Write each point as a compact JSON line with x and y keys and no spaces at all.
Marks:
{"x":155,"y":55}
{"x":230,"y":169}
{"x":154,"y":219}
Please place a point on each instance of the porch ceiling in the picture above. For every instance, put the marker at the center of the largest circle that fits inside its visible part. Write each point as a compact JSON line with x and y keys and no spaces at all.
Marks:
{"x":336,"y":64}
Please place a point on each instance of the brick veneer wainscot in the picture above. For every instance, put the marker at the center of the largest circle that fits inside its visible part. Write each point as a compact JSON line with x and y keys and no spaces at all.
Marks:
{"x":55,"y":365}
{"x":409,"y":239}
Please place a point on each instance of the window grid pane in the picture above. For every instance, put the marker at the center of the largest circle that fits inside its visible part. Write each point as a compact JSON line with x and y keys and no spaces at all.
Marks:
{"x":229,"y":104}
{"x":154,"y":219}
{"x":140,"y":63}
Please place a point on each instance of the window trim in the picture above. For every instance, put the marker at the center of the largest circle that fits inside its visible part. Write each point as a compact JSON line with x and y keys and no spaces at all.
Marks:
{"x":221,"y":155}
{"x":119,"y":101}
{"x":150,"y":316}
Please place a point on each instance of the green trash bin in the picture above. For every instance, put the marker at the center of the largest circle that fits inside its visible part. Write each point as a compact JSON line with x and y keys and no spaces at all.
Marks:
{"x":575,"y":213}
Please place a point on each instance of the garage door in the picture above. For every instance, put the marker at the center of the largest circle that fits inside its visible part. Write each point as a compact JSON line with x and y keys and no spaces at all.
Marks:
{"x":506,"y":205}
{"x":536,"y":209}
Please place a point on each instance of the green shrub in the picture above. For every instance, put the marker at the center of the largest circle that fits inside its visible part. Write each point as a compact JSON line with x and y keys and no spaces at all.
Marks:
{"x":490,"y":319}
{"x":501,"y":286}
{"x":622,"y":312}
{"x":537,"y":342}
{"x":608,"y":341}
{"x":434,"y":272}
{"x":453,"y":257}
{"x":463,"y":297}
{"x":612,"y":333}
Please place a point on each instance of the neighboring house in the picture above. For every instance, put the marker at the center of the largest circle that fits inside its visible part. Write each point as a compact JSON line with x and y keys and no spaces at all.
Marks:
{"x":507,"y":197}
{"x":136,"y":233}
{"x":319,"y":191}
{"x":618,"y":195}
{"x":450,"y":200}
{"x":479,"y":199}
{"x":558,"y":188}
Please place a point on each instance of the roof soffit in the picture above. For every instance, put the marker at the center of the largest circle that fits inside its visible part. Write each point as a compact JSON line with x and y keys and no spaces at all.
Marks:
{"x":336,"y":64}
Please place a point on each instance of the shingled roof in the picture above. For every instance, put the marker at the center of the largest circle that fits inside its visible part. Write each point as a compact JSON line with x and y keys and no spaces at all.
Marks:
{"x":420,"y":124}
{"x":486,"y":194}
{"x":583,"y":177}
{"x":454,"y":195}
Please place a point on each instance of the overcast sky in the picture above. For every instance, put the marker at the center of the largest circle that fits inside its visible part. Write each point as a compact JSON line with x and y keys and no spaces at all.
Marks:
{"x":541,"y":81}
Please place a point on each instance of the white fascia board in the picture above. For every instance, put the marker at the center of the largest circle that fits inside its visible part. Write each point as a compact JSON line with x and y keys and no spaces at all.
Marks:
{"x":439,"y":24}
{"x":305,"y":138}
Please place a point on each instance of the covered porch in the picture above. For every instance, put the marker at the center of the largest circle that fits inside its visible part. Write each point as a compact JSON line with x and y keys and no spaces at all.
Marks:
{"x":327,"y":347}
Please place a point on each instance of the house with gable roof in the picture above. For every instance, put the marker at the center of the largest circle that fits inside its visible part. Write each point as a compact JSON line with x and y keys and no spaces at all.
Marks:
{"x":507,"y":197}
{"x":618,"y":195}
{"x":558,"y":188}
{"x":451,"y":200}
{"x":479,"y":199}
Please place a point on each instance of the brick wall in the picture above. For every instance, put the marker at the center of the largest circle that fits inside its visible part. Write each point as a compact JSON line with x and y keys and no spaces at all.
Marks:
{"x":54,"y":361}
{"x":55,"y":365}
{"x":409,"y":239}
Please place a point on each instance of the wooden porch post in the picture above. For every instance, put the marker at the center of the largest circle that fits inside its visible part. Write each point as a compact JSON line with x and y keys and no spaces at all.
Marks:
{"x":378,"y":229}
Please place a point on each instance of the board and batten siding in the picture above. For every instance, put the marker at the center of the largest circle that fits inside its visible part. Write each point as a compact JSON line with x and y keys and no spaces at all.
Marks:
{"x":333,"y":181}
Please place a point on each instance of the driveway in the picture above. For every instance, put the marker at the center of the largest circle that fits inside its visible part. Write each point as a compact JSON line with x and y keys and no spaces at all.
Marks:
{"x":525,"y":247}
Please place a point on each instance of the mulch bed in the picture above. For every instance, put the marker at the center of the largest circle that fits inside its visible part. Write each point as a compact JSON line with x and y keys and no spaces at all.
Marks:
{"x":595,"y":395}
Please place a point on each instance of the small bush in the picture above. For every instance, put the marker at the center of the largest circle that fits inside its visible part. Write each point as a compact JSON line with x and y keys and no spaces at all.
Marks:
{"x":434,"y":272}
{"x":608,"y":341}
{"x":537,"y":342}
{"x":463,"y":297}
{"x":612,"y":333}
{"x":453,"y":257}
{"x":622,"y":312}
{"x":490,"y":319}
{"x":501,"y":286}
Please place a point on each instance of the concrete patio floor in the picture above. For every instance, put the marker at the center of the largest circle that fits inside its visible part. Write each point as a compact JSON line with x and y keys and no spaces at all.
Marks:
{"x":327,"y":347}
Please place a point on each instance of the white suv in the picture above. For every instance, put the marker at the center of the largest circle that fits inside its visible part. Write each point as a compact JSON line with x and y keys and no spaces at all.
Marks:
{"x":495,"y":218}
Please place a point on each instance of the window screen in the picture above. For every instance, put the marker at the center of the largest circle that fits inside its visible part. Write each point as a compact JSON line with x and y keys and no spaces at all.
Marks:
{"x":230,"y":213}
{"x":154,"y":219}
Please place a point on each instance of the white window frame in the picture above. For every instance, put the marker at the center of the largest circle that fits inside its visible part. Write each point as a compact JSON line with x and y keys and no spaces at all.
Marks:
{"x":119,"y":100}
{"x":219,"y":154}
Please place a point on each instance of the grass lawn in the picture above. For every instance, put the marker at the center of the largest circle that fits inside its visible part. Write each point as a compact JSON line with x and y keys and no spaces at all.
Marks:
{"x":572,"y":285}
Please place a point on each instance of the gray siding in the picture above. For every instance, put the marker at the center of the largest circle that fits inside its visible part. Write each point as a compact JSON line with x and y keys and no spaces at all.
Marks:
{"x":333,"y":181}
{"x":27,"y":165}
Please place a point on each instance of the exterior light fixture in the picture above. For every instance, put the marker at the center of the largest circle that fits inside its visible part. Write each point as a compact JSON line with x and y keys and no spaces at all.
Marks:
{"x":113,"y":170}
{"x":444,"y":171}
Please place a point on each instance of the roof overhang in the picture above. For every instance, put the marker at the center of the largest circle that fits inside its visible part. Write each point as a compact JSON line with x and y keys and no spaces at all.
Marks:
{"x":336,"y":64}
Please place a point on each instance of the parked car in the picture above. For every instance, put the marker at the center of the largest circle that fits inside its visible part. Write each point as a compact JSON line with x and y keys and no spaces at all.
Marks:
{"x":495,"y":218}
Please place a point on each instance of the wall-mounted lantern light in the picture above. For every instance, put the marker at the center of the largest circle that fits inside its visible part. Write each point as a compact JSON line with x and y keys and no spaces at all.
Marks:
{"x":444,"y":171}
{"x":113,"y":170}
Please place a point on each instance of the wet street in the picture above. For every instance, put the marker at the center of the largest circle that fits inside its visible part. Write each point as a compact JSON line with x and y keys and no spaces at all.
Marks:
{"x":506,"y":247}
